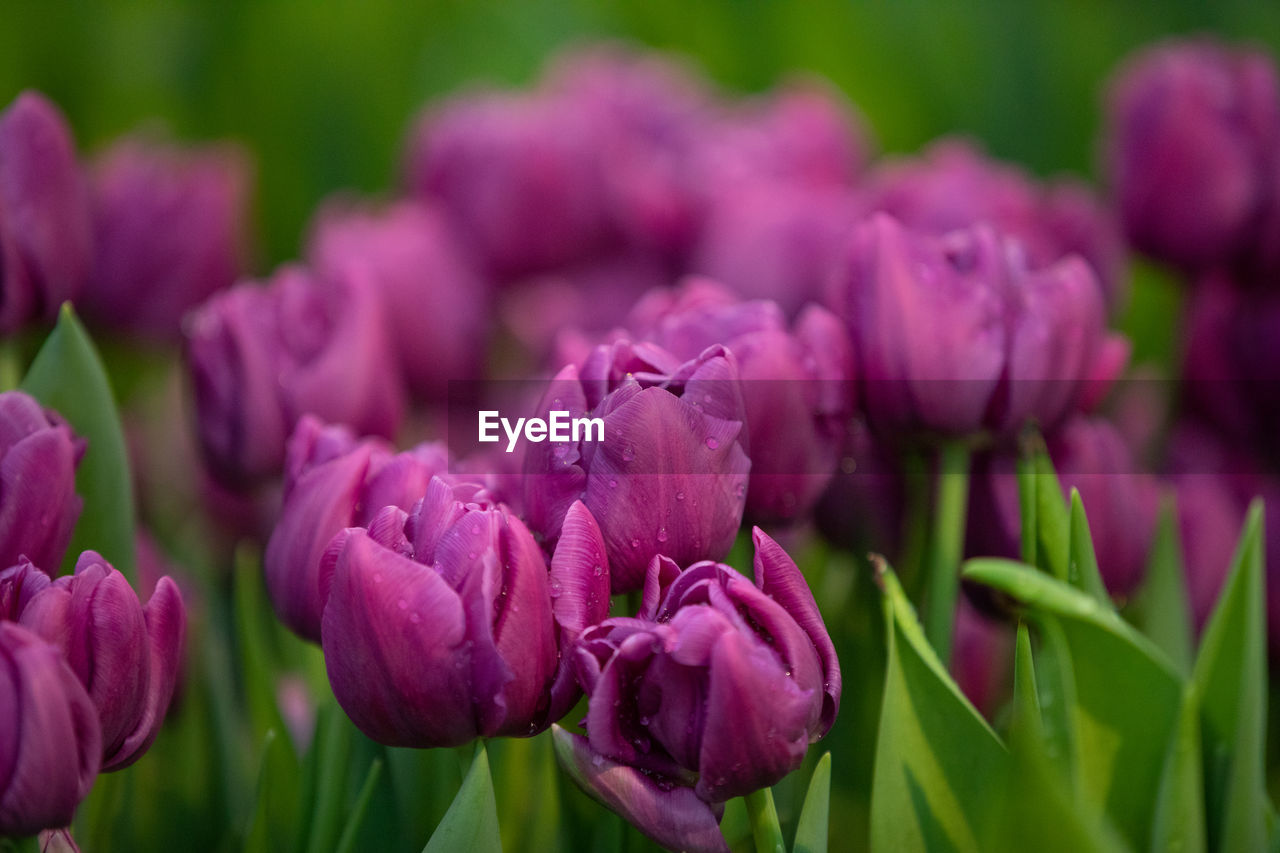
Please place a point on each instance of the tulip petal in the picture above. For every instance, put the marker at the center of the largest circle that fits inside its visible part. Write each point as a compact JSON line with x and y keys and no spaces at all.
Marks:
{"x":524,"y":632}
{"x":38,"y":503}
{"x":579,"y":589}
{"x":670,"y":815}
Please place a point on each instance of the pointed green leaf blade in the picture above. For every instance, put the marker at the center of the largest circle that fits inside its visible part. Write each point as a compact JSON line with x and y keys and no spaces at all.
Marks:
{"x":931,"y":745}
{"x":472,"y":821}
{"x":1127,"y":694}
{"x":1161,"y":609}
{"x":1179,"y":817}
{"x":67,"y":375}
{"x":811,"y":831}
{"x":1230,"y":678}
{"x":1083,"y":564}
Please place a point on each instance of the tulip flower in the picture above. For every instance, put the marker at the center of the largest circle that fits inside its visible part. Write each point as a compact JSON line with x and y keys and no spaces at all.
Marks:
{"x":169,"y":232}
{"x":517,"y":177}
{"x":1191,"y":149}
{"x":433,"y":299}
{"x":46,"y":241}
{"x":333,"y":482}
{"x":50,"y":741}
{"x":262,"y":357}
{"x":955,"y":336}
{"x":953,"y":186}
{"x":708,"y":646}
{"x":794,"y":385}
{"x":126,"y":655}
{"x":669,"y":476}
{"x":38,"y":502}
{"x":982,"y":659}
{"x":447,"y":623}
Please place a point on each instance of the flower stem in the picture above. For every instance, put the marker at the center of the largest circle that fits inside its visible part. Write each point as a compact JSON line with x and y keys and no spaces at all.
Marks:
{"x":764,"y":822}
{"x":947,"y":546}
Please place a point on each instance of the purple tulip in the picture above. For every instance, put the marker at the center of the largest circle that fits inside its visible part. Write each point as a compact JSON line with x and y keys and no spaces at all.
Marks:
{"x":955,"y":186}
{"x":1121,"y":502}
{"x":518,"y":177}
{"x":38,"y":501}
{"x":1193,"y":131}
{"x":775,"y":240}
{"x":46,"y":241}
{"x":447,"y":624}
{"x":955,"y":336}
{"x":982,"y":659}
{"x":169,"y":232}
{"x":435,"y":302}
{"x":262,"y":357}
{"x":126,"y":655}
{"x":50,"y":742}
{"x":333,"y":481}
{"x":707,"y":648}
{"x":669,"y":476}
{"x":794,"y":384}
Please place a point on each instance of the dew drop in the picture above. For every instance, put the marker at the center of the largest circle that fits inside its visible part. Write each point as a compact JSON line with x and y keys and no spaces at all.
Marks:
{"x":402,"y":604}
{"x":628,"y":453}
{"x":662,"y":534}
{"x":712,"y":442}
{"x":377,"y":577}
{"x":613,"y":482}
{"x":415,"y":618}
{"x":740,"y":490}
{"x":555,"y":589}
{"x":597,"y":571}
{"x":679,"y":496}
{"x":597,"y":759}
{"x":635,"y":543}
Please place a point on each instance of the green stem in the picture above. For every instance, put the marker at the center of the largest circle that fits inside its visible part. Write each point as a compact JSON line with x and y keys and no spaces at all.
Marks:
{"x":915,"y":527}
{"x":947,"y":546}
{"x":764,"y":822}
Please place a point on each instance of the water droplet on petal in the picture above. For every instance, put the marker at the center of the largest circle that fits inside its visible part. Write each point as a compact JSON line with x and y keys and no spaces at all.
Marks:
{"x":679,"y":496}
{"x":662,"y":534}
{"x":712,"y":442}
{"x":635,"y":543}
{"x":613,"y":482}
{"x":402,"y":604}
{"x":628,"y":453}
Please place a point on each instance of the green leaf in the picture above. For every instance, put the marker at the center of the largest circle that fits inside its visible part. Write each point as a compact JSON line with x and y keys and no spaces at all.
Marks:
{"x":347,"y":841}
{"x":1056,"y":695}
{"x":333,"y":744}
{"x":1179,"y":817}
{"x":1160,"y":608}
{"x":1046,"y":521}
{"x":526,"y":792}
{"x":931,"y":746}
{"x":67,"y":375}
{"x":1230,"y":679}
{"x":765,"y":830}
{"x":263,"y":833}
{"x":1082,"y":569}
{"x":1127,"y":694}
{"x":811,"y":831}
{"x":1026,"y":702}
{"x":472,"y":821}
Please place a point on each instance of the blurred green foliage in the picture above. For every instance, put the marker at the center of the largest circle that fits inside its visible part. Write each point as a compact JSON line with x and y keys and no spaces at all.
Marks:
{"x":323,"y":92}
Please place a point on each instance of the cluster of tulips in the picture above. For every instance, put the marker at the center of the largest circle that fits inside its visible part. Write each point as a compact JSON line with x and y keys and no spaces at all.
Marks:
{"x":778,"y":331}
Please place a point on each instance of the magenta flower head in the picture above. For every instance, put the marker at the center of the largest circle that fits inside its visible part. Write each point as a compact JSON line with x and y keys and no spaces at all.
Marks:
{"x":434,"y":300}
{"x":666,"y":470}
{"x":956,"y":336}
{"x":169,"y":232}
{"x":332,"y":481}
{"x":954,"y":185}
{"x":518,"y":177}
{"x":795,"y":384}
{"x":126,"y":655}
{"x":46,"y":242}
{"x":50,"y":742}
{"x":38,"y":501}
{"x":1193,"y":131}
{"x":447,"y":623}
{"x":262,"y":357}
{"x":717,"y":687}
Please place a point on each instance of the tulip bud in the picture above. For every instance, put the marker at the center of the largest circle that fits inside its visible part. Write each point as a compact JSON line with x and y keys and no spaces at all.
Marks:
{"x":434,"y":302}
{"x":333,"y":482}
{"x":708,"y":646}
{"x":447,"y":624}
{"x":955,"y":336}
{"x":50,"y":742}
{"x":669,"y":476}
{"x":794,"y":385}
{"x":516,"y":175}
{"x":38,"y":502}
{"x":168,"y":227}
{"x":953,"y":186}
{"x":262,"y":357}
{"x":46,"y":242}
{"x":1193,"y":130}
{"x":127,"y":656}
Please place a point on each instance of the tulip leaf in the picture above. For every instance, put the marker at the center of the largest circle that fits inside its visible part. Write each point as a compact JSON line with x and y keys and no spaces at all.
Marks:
{"x":931,"y":746}
{"x":1161,"y":609}
{"x":812,"y":829}
{"x":1126,"y":693}
{"x":472,"y":821}
{"x":1056,"y":698}
{"x":347,"y":841}
{"x":1230,"y":678}
{"x":333,"y":744}
{"x":526,"y":792}
{"x":67,"y":375}
{"x":1046,"y":521}
{"x":262,"y":833}
{"x":1179,"y":816}
{"x":1082,"y":569}
{"x":1026,"y":703}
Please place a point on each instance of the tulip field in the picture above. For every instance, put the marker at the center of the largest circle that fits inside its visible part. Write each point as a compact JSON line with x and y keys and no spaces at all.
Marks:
{"x":621,"y":427}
